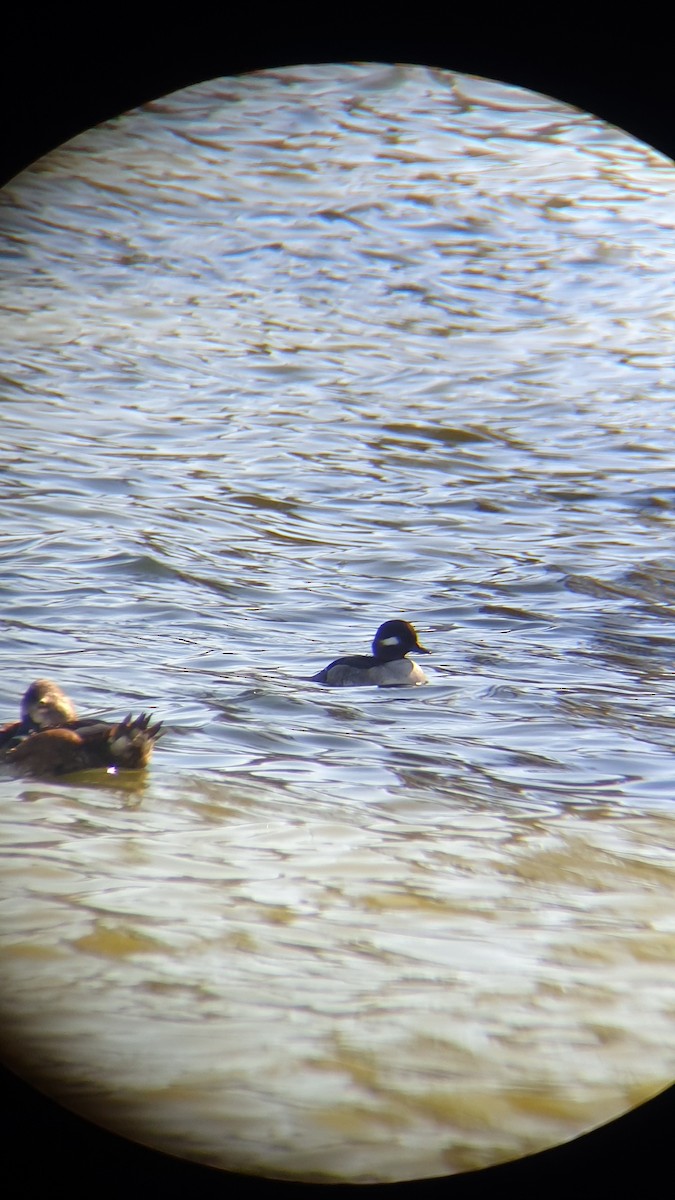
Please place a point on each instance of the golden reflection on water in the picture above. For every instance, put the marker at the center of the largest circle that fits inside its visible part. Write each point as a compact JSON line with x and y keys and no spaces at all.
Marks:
{"x":397,"y":351}
{"x":256,"y":993}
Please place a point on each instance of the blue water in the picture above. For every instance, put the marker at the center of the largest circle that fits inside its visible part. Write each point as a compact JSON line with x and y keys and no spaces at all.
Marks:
{"x":286,"y":356}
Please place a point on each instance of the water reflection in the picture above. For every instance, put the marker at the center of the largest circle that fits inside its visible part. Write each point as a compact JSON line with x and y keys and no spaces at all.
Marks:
{"x":291,"y":355}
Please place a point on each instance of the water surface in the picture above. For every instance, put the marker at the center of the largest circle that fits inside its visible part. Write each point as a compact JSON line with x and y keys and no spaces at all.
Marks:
{"x":286,"y":356}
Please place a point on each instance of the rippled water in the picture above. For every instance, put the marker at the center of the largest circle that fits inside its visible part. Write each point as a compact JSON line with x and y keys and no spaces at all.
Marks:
{"x":286,"y":356}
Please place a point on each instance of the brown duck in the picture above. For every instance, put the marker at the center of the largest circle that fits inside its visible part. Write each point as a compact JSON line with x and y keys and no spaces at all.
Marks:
{"x":50,"y":739}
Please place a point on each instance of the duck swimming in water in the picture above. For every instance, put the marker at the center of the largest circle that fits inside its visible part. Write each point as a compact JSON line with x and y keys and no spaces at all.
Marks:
{"x":50,"y":739}
{"x":44,"y":705}
{"x":387,"y":666}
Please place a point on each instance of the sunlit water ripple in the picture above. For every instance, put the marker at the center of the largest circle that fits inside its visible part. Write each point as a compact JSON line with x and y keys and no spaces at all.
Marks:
{"x":286,"y":356}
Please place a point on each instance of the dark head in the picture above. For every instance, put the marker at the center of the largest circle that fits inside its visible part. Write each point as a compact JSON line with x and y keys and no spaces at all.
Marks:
{"x":45,"y":706}
{"x":394,"y":640}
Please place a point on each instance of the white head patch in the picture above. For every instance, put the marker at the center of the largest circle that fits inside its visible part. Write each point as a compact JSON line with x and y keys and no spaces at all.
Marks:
{"x":390,"y":641}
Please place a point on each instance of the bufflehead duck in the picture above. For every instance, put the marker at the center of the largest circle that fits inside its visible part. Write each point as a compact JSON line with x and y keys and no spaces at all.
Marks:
{"x":386,"y":667}
{"x":50,"y":739}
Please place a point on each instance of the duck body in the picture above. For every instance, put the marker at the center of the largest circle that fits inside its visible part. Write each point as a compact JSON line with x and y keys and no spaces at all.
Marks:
{"x":87,"y":745}
{"x":387,"y":666}
{"x":50,"y":739}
